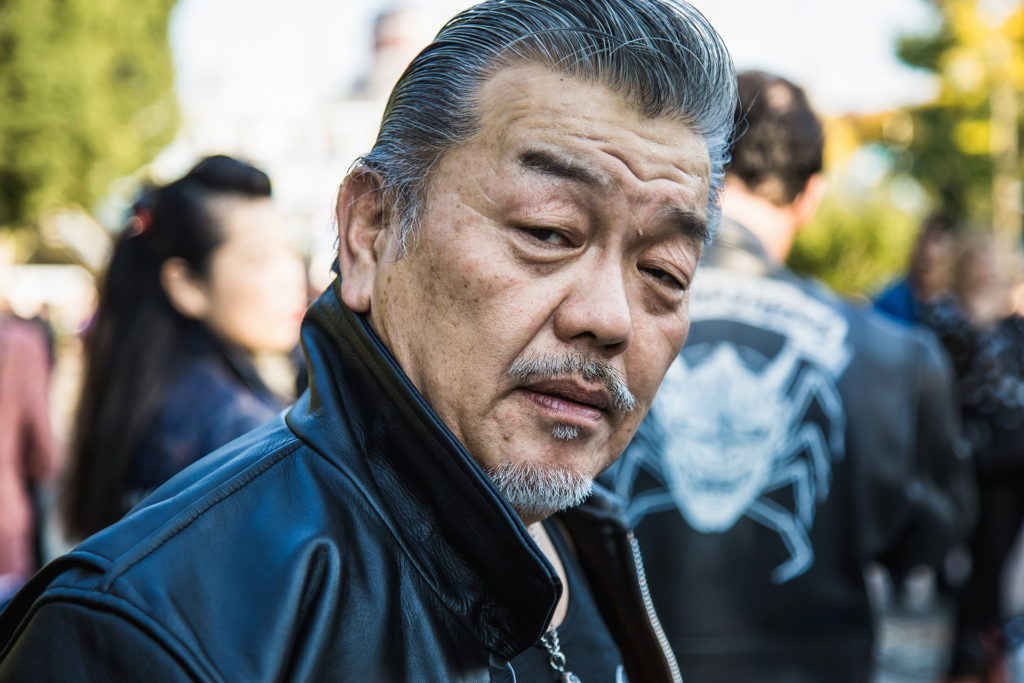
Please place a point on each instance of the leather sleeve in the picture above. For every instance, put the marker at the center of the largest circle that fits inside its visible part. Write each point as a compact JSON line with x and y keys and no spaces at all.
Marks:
{"x":70,"y":643}
{"x":940,"y":485}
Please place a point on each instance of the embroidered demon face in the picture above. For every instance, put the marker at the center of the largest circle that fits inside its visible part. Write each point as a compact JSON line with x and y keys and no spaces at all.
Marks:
{"x":749,"y":411}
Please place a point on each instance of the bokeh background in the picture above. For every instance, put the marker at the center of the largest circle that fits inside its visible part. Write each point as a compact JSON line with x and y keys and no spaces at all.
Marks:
{"x":922,"y":101}
{"x":100,"y":97}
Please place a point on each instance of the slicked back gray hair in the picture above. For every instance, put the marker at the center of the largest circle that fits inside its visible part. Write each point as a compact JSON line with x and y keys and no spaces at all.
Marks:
{"x":662,"y":55}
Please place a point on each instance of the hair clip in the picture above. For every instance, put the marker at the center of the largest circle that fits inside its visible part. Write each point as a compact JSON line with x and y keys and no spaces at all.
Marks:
{"x":141,"y":220}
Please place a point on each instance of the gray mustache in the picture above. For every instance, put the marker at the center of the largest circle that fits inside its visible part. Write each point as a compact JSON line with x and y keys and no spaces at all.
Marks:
{"x":590,"y":369}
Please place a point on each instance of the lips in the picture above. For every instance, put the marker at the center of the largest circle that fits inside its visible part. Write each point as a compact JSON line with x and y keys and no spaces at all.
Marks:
{"x":570,"y":401}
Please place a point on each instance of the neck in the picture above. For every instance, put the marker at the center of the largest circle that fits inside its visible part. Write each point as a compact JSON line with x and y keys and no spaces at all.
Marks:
{"x":774,"y":226}
{"x":540,"y":536}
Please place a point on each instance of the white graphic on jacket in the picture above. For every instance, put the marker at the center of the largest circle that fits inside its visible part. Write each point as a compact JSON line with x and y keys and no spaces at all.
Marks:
{"x":748,"y":409}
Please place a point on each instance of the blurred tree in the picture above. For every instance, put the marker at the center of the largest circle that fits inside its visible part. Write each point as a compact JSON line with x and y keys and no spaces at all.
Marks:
{"x":862,"y":234}
{"x":964,"y":147}
{"x":86,"y":88}
{"x":855,"y":244}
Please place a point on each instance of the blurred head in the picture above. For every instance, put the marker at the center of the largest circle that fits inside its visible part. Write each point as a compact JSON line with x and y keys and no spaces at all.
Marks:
{"x":932,"y":258}
{"x":556,"y":160}
{"x":661,"y":56}
{"x":222,"y":259}
{"x":779,"y":139}
{"x":977,"y":281}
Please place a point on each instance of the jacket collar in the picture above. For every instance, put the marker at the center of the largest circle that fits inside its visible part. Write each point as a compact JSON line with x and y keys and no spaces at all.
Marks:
{"x":362,"y":413}
{"x":737,"y":249}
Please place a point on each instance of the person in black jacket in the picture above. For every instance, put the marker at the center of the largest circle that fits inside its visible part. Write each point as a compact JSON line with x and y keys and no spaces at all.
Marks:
{"x":514,"y":254}
{"x":795,"y":440}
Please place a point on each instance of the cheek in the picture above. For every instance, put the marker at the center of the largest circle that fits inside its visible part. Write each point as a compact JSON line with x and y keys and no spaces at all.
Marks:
{"x":239,"y":307}
{"x":256,"y":312}
{"x":654,"y":350}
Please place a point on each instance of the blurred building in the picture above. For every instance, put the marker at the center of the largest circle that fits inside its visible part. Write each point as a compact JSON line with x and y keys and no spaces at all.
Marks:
{"x":284,"y":119}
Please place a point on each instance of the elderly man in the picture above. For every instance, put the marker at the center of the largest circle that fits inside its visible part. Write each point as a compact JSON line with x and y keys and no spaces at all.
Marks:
{"x":515,"y":254}
{"x":797,"y":438}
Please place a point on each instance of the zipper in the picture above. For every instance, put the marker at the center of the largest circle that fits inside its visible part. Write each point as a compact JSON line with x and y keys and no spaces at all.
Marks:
{"x":652,"y":617}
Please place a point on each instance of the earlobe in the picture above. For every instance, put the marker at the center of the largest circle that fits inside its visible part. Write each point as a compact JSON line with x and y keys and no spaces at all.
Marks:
{"x":183,"y":289}
{"x":360,"y":225}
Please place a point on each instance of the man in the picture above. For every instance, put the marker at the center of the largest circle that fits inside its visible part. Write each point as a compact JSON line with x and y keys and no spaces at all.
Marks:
{"x":795,"y":440}
{"x":514,"y":257}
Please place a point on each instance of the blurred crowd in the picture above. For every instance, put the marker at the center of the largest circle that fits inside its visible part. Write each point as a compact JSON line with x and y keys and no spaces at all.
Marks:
{"x":203,"y":294}
{"x":967,"y":286}
{"x":193,"y":342}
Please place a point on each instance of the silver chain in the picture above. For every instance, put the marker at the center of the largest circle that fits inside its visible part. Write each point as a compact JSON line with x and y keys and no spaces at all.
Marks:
{"x":551,"y":644}
{"x":555,"y":657}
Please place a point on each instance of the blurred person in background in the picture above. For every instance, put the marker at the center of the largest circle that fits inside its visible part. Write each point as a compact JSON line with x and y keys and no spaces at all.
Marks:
{"x":29,"y":456}
{"x":796,"y":440}
{"x":201,"y":279}
{"x":926,"y":288}
{"x":978,"y":283}
{"x":928,"y":277}
{"x":985,"y":335}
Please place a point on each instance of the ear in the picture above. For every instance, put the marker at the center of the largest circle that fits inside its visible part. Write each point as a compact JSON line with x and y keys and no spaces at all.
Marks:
{"x":184,"y":290}
{"x":361,"y":227}
{"x":807,"y":202}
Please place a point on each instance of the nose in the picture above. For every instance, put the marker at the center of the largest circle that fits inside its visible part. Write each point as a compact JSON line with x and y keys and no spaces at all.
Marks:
{"x":596,"y":311}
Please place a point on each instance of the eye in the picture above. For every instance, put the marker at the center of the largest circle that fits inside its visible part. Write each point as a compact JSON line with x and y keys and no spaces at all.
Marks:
{"x":550,"y":236}
{"x":664,"y":278}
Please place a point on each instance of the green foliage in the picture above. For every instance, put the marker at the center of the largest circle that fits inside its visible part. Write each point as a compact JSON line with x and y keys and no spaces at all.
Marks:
{"x":855,"y":245}
{"x":925,"y":51}
{"x":941,"y":159}
{"x":86,"y":96}
{"x":956,"y":138}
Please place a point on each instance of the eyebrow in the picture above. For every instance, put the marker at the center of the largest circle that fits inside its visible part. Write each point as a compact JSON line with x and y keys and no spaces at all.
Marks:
{"x":562,"y":167}
{"x":692,"y":225}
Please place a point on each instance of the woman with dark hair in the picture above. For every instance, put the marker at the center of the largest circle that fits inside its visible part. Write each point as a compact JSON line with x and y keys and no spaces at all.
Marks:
{"x":199,"y":281}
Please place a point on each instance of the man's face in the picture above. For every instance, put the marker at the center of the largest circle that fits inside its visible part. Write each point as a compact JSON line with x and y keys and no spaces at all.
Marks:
{"x":570,"y":226}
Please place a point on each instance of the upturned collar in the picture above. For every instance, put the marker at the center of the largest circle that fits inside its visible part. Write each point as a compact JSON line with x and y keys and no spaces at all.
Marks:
{"x":364,"y":414}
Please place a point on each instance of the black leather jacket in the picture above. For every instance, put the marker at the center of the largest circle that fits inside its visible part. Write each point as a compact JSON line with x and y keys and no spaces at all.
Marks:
{"x":352,"y":538}
{"x":796,"y":439}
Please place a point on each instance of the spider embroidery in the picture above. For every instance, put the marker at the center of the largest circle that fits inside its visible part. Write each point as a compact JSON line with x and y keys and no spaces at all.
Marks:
{"x":732,"y":432}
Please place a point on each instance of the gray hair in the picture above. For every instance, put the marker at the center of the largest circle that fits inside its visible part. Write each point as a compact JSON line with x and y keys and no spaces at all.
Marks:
{"x":534,"y":490}
{"x":662,"y":55}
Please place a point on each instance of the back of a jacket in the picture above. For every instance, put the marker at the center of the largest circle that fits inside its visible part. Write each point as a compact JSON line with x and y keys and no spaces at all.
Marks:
{"x":795,"y":439}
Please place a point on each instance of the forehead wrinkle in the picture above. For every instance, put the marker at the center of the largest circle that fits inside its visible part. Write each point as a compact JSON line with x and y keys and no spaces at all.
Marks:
{"x":652,"y":147}
{"x":692,"y":223}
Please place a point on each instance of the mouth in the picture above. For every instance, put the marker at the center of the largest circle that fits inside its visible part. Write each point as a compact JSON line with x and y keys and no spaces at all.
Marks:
{"x":568,"y":401}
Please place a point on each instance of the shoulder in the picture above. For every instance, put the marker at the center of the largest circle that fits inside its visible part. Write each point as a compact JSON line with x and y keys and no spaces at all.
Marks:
{"x":897,"y":299}
{"x":208,"y":381}
{"x":231,"y":492}
{"x":237,"y":542}
{"x":886,"y":338}
{"x":206,"y":407}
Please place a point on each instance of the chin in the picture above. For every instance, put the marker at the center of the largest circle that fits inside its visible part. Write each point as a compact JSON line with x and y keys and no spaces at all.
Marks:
{"x":538,"y":490}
